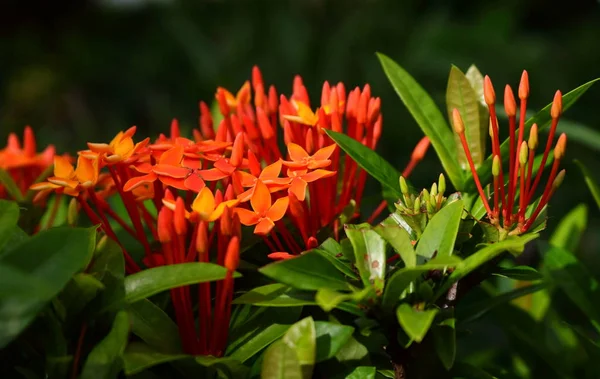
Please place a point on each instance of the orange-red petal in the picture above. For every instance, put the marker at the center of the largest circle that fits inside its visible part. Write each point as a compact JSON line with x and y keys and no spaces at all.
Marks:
{"x":278,"y":209}
{"x":298,"y":188}
{"x":317,"y":174}
{"x":247,"y":217}
{"x":261,"y":198}
{"x":139,"y":180}
{"x":264,"y":226}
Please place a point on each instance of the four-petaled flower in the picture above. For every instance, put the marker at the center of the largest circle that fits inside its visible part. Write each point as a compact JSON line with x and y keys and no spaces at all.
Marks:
{"x":120,"y":149}
{"x":204,"y":207}
{"x":263,"y":213}
{"x":68,"y":179}
{"x":300,"y":159}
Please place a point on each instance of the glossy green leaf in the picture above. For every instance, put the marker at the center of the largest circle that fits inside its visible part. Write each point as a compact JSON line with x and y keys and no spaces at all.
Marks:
{"x":475,"y":78}
{"x":362,"y":372}
{"x":329,"y":299}
{"x":35,"y":271}
{"x":9,"y":216}
{"x":153,"y":326}
{"x":330,"y":339}
{"x":154,"y":280}
{"x":567,"y":234}
{"x":369,"y":160}
{"x":106,"y":359}
{"x":590,"y":182}
{"x":401,"y":279}
{"x":10,"y":186}
{"x":444,"y":339}
{"x":440,"y":234}
{"x":460,"y":95}
{"x":399,"y":239}
{"x":352,"y":351}
{"x":275,"y":295}
{"x":514,"y":245}
{"x":108,"y":266}
{"x":342,"y":265}
{"x":225,"y":366}
{"x":138,"y":357}
{"x":427,"y":115}
{"x":542,"y":119}
{"x":414,"y":322}
{"x":280,"y":362}
{"x":518,"y":273}
{"x":302,"y":338}
{"x":308,"y":271}
{"x":79,"y":292}
{"x":369,"y":253}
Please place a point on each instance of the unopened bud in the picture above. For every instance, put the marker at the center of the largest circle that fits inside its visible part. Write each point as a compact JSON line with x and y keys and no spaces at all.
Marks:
{"x":237,"y":152}
{"x":457,"y":122}
{"x":232,"y":256}
{"x":434,"y":190}
{"x":404,"y":186}
{"x":559,"y":179}
{"x":524,"y":86}
{"x":533,"y":137}
{"x":496,"y":166}
{"x":225,"y":222}
{"x":430,"y":208}
{"x":425,"y":195}
{"x":442,"y":184}
{"x":433,"y":200}
{"x":202,"y":238}
{"x":164,"y":225}
{"x":421,"y":149}
{"x":523,"y":153}
{"x":417,"y":205}
{"x":488,"y":91}
{"x":556,"y":109}
{"x":102,"y":243}
{"x":73,"y":212}
{"x":179,"y":220}
{"x":510,"y":105}
{"x":561,"y":145}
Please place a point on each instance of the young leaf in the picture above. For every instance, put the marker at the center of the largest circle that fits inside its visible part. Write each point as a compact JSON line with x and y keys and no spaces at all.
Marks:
{"x":139,"y":357}
{"x":414,"y":322}
{"x":154,"y":280}
{"x":570,"y":229}
{"x":518,"y":273}
{"x":106,"y":359}
{"x":362,"y":372}
{"x":280,"y":362}
{"x":440,"y":234}
{"x":331,"y":338}
{"x":460,"y":95}
{"x":542,"y":119}
{"x":302,"y":338}
{"x":275,"y":295}
{"x":427,"y":115}
{"x":29,"y":282}
{"x":10,"y":186}
{"x":154,"y":327}
{"x":369,"y":253}
{"x":591,"y":183}
{"x":369,"y":160}
{"x":399,"y":239}
{"x":308,"y":271}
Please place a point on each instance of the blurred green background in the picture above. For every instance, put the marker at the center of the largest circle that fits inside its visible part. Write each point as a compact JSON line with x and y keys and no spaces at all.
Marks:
{"x":80,"y":71}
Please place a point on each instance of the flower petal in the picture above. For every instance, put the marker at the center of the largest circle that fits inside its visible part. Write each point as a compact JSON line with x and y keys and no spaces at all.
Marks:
{"x":139,"y":180}
{"x":171,"y":171}
{"x":296,"y":152}
{"x":194,"y":183}
{"x":173,"y":182}
{"x":298,"y":188}
{"x":63,"y":168}
{"x":172,"y":156}
{"x":272,"y":171}
{"x":324,"y":153}
{"x":99,"y":147}
{"x":212,"y":174}
{"x":246,"y":216}
{"x":87,"y":170}
{"x":264,"y":227}
{"x":261,"y":198}
{"x":278,"y":209}
{"x":317,"y":174}
{"x":44,"y":186}
{"x":224,"y":166}
{"x":204,"y":203}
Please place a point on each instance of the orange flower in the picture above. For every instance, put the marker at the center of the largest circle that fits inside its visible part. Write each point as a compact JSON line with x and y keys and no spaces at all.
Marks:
{"x":169,"y":171}
{"x":68,"y":179}
{"x":242,"y":96}
{"x":269,"y":176}
{"x":263,"y":213}
{"x":120,"y":149}
{"x":304,"y":115}
{"x":225,"y":167}
{"x":301,"y":159}
{"x":301,"y":178}
{"x":13,"y":156}
{"x":204,"y":207}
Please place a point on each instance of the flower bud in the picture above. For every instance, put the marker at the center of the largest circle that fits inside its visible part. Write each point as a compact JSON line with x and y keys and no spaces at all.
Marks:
{"x":561,"y":145}
{"x":434,"y":190}
{"x":73,"y":212}
{"x":433,"y":200}
{"x":510,"y":105}
{"x":496,"y":166}
{"x":488,"y":91}
{"x":442,"y":184}
{"x":556,"y":109}
{"x":417,"y":205}
{"x":524,"y":86}
{"x":421,"y":149}
{"x":559,"y":179}
{"x":404,"y":186}
{"x":457,"y":122}
{"x":202,"y":238}
{"x":523,"y":153}
{"x":232,"y":256}
{"x":164,"y":225}
{"x":430,"y":207}
{"x":533,"y":137}
{"x":425,"y":195}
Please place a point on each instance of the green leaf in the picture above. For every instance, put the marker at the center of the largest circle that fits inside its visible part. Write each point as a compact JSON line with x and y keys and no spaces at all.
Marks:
{"x":511,"y":244}
{"x":369,"y":254}
{"x":281,"y":362}
{"x":440,"y":234}
{"x":369,"y":160}
{"x":308,"y":271}
{"x":154,"y":327}
{"x":352,"y":351}
{"x":342,"y":266}
{"x":302,"y":338}
{"x":275,"y":295}
{"x":460,"y":95}
{"x":330,"y":339}
{"x":414,"y":322}
{"x":9,"y":216}
{"x":591,"y":183}
{"x":567,"y":234}
{"x":468,"y":371}
{"x":542,"y":119}
{"x":329,"y":299}
{"x":427,"y":115}
{"x":79,"y":292}
{"x":518,"y":273}
{"x":475,"y":78}
{"x":362,"y":372}
{"x":10,"y":186}
{"x":399,"y":239}
{"x":230,"y":368}
{"x":444,"y":338}
{"x":401,"y":279}
{"x":106,"y":359}
{"x":34,"y":272}
{"x":139,"y":357}
{"x":154,"y":280}
{"x":109,"y":267}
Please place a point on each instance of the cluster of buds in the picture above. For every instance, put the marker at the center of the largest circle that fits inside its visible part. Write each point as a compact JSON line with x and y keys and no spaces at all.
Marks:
{"x":512,"y":196}
{"x":187,"y":198}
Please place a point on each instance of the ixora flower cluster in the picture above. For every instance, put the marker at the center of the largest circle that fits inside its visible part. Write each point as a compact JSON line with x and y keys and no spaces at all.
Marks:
{"x":512,"y":196}
{"x":187,"y":198}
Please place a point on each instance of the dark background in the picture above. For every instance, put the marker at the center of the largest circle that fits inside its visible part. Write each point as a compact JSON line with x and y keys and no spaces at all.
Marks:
{"x":80,"y":71}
